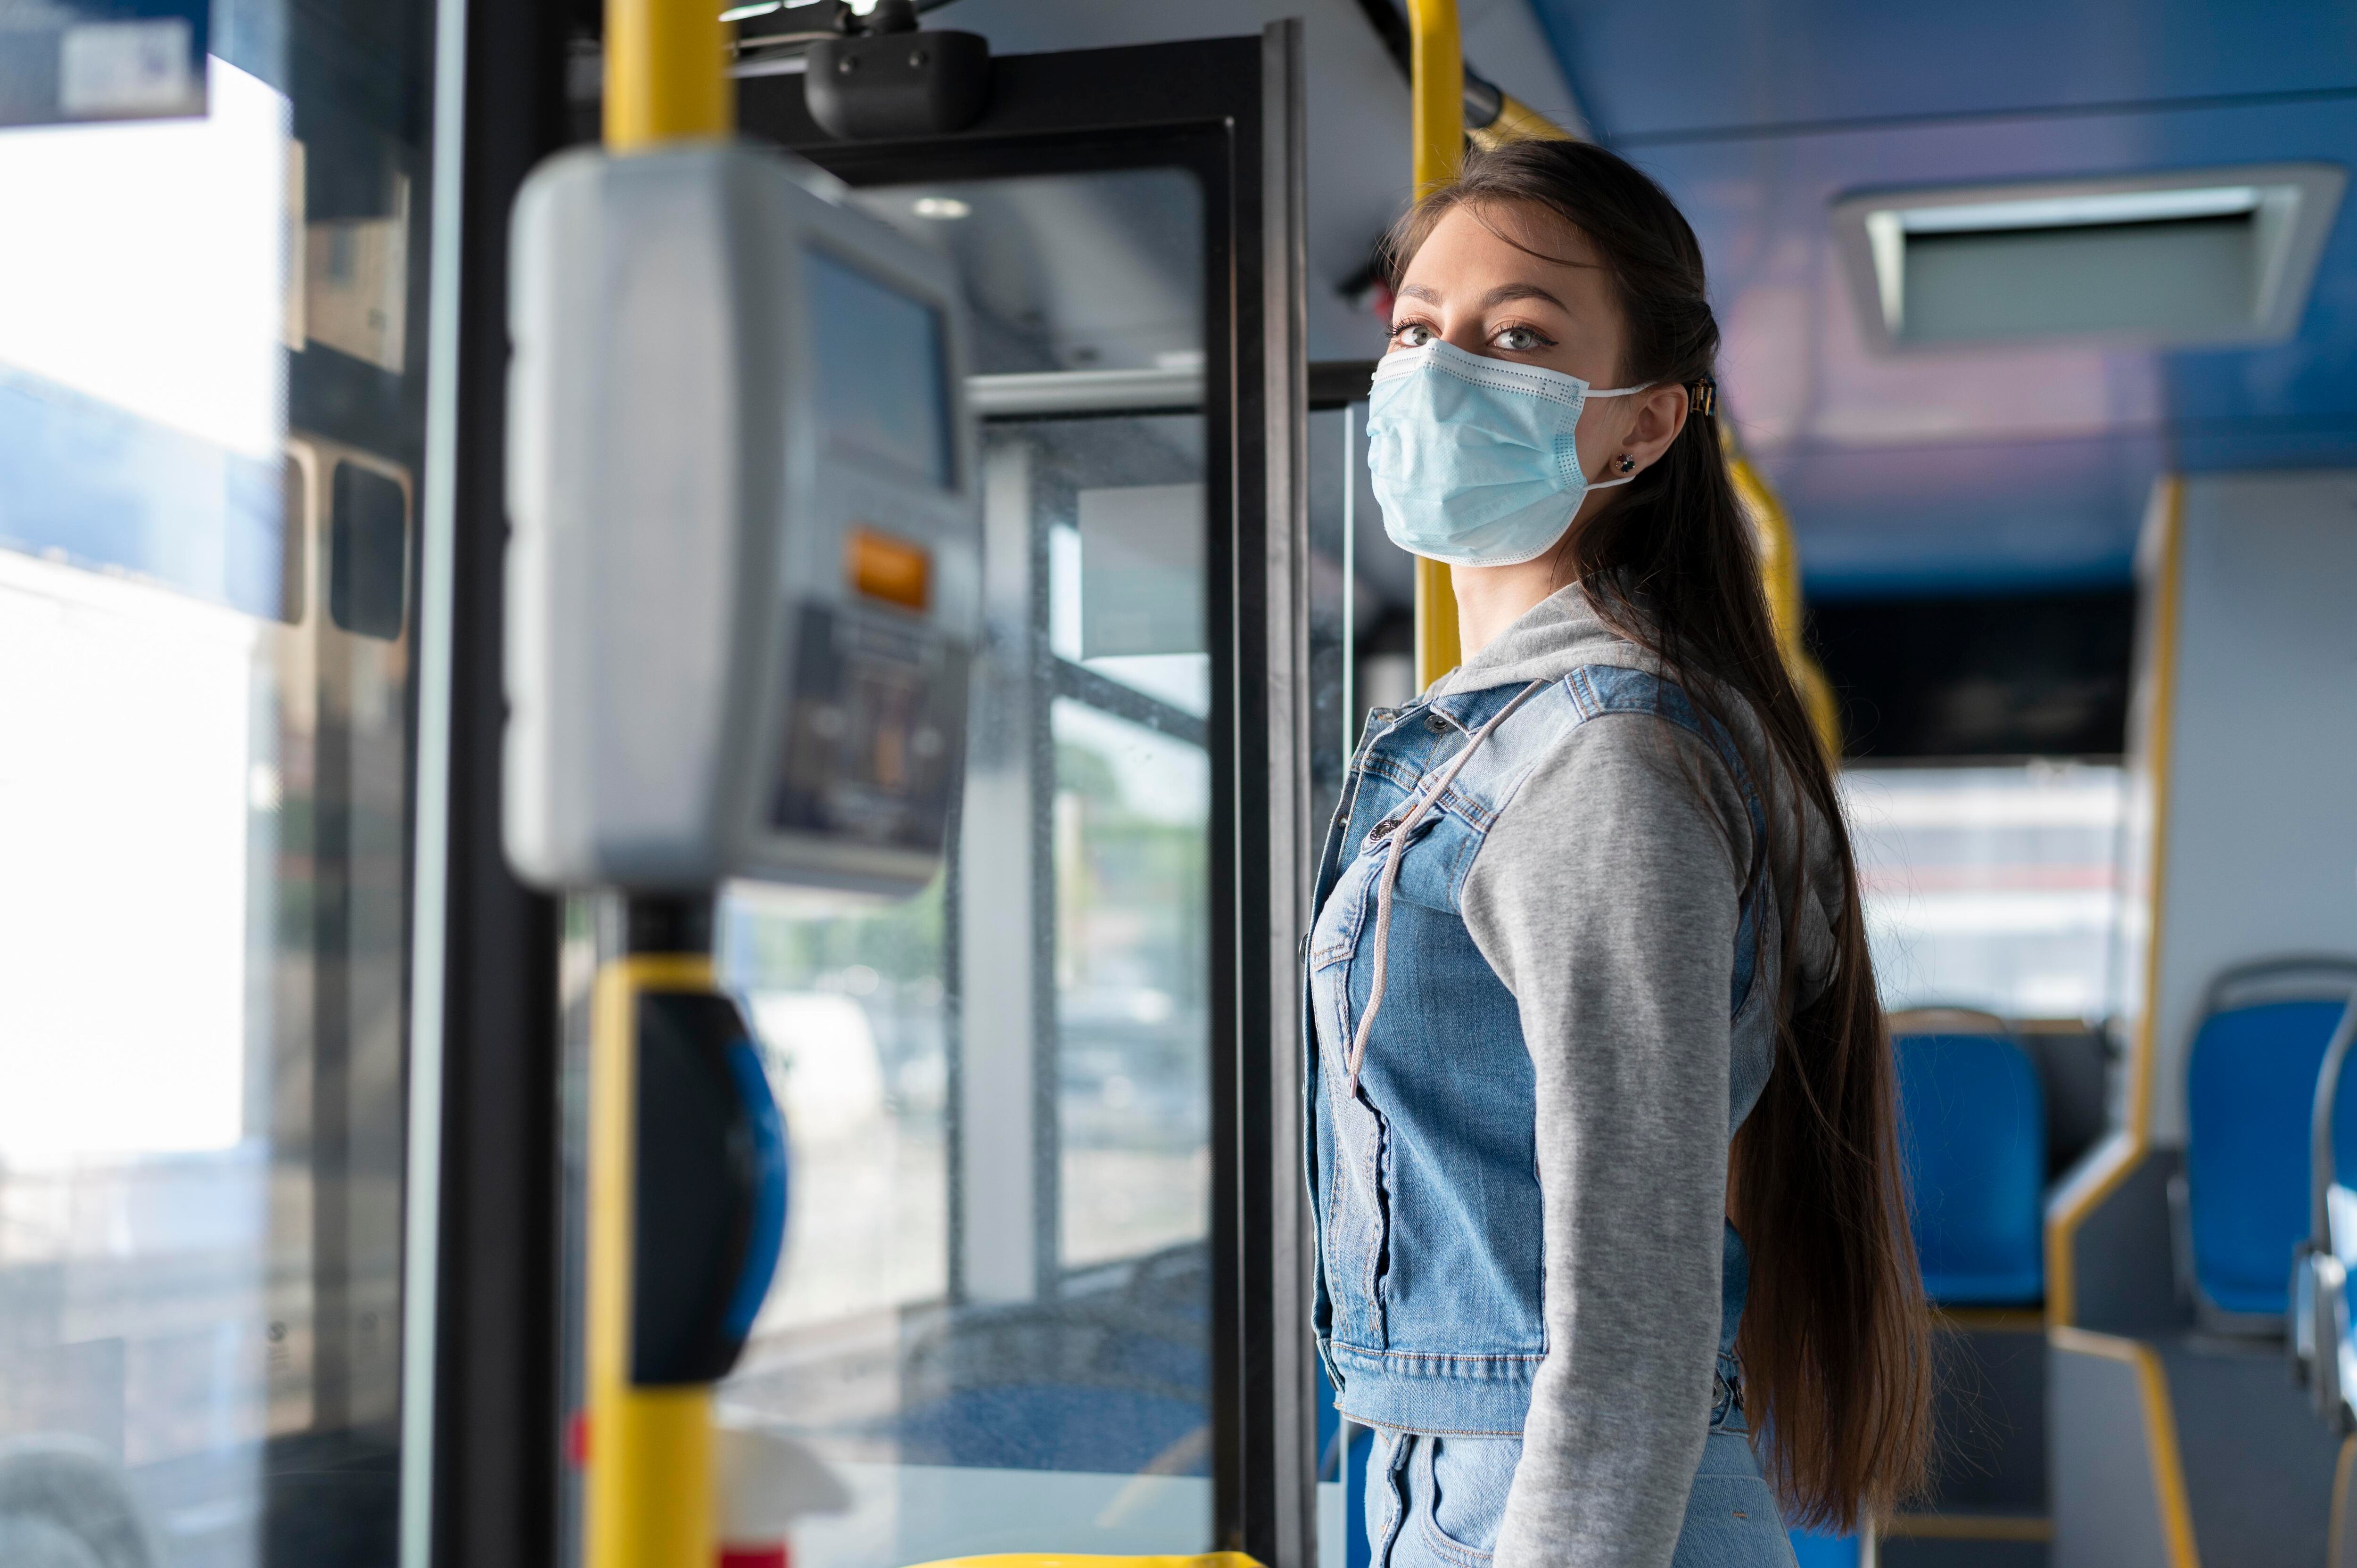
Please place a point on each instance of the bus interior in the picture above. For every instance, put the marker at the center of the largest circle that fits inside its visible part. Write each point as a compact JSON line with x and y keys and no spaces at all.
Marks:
{"x":2040,"y":376}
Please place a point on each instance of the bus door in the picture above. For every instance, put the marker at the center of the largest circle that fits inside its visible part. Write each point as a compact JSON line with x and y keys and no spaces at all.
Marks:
{"x":1045,"y":1281}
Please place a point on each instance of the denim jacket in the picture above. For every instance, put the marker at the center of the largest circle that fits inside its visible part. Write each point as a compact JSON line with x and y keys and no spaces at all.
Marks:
{"x":1420,"y":1152}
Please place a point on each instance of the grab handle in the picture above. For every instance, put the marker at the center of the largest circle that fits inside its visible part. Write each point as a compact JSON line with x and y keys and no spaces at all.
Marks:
{"x":2319,"y":1130}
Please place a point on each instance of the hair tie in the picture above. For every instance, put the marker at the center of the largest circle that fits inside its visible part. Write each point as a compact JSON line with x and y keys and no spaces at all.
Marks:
{"x":1705,"y":395}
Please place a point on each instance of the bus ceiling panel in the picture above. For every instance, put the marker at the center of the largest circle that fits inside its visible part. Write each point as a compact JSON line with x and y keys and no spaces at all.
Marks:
{"x":1968,"y":517}
{"x":1991,"y":458}
{"x":1733,"y":69}
{"x":1084,"y":287}
{"x":1799,"y":367}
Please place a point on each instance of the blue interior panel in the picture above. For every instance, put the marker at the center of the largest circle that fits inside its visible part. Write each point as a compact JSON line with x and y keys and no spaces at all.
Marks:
{"x":1974,"y":1119}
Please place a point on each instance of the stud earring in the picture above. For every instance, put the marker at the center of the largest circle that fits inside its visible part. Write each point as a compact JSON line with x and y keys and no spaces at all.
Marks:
{"x":1627,"y":465}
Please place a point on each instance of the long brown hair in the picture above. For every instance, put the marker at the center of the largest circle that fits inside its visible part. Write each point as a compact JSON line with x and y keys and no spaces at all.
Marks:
{"x":1836,"y":1337}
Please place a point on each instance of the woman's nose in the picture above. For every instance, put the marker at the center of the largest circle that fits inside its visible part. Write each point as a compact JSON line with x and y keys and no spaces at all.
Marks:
{"x":1464,"y":335}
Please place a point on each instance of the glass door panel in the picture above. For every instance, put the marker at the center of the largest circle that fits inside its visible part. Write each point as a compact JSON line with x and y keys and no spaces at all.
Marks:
{"x":993,"y":1324}
{"x":1115,"y":1360}
{"x":211,"y":390}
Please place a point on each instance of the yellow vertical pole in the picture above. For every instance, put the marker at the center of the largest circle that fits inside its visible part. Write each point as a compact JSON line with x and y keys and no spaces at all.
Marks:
{"x":1436,"y":73}
{"x":666,"y":74}
{"x":1436,"y":123}
{"x":650,"y":1501}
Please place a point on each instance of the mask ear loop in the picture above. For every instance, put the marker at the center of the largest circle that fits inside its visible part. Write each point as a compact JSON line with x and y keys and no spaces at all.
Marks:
{"x":1704,"y":395}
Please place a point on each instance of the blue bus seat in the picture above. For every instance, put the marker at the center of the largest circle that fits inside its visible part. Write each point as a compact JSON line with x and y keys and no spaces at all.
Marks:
{"x":1811,"y":1550}
{"x":1057,"y":1426}
{"x":1975,"y":1118}
{"x":2250,"y":1093}
{"x":1108,"y":1377}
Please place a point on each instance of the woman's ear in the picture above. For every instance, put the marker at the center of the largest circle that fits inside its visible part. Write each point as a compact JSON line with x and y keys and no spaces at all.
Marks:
{"x":1660,"y":414}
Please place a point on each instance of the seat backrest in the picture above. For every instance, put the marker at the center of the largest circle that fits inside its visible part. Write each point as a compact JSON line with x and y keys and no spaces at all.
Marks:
{"x":2250,"y":1092}
{"x":1811,"y":1550}
{"x":1975,"y":1119}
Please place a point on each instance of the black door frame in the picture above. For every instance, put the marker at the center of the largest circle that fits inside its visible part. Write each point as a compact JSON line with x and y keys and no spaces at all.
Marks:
{"x":1229,"y":111}
{"x":481,"y":1434}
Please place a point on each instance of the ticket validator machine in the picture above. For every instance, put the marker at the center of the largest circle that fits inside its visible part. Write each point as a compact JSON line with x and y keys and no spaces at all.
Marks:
{"x":742,"y":584}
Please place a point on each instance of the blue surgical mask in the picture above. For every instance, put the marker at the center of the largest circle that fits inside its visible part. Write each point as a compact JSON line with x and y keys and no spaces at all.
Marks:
{"x":1474,"y":459}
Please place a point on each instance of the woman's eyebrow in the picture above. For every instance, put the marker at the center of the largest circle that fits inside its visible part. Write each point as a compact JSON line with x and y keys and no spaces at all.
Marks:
{"x":1496,"y":297}
{"x":1511,"y":291}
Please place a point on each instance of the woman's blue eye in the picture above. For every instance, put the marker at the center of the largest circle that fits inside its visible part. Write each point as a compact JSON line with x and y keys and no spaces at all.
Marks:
{"x":1521,"y":339}
{"x":1414,"y":335}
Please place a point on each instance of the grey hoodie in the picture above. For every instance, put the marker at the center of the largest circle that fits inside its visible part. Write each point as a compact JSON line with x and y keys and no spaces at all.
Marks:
{"x":1604,"y":898}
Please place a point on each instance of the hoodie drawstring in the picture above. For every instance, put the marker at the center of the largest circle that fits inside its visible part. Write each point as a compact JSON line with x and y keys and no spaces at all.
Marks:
{"x":1391,"y":876}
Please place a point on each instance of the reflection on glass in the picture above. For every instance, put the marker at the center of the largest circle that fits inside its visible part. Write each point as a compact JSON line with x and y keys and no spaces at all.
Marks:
{"x":207,"y":450}
{"x":1077,"y":271}
{"x":1132,"y":1028}
{"x":992,"y":1321}
{"x":853,"y":1015}
{"x":1994,"y":887}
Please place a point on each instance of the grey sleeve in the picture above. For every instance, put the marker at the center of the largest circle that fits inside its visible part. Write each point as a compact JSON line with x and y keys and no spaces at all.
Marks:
{"x":1606,"y":899}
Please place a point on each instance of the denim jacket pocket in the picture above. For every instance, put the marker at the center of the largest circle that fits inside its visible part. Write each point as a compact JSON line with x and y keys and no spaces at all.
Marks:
{"x":1335,"y":936}
{"x":1432,"y":868}
{"x":1462,"y":1498}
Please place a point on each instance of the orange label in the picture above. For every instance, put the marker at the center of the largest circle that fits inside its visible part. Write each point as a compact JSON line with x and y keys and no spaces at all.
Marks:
{"x":893,"y":570}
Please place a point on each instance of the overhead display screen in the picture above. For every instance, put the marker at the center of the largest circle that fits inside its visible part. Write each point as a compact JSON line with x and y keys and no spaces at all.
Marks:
{"x":883,"y":369}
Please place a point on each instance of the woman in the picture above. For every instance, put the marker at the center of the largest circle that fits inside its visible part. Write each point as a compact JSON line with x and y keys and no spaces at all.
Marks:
{"x":1601,"y":1120}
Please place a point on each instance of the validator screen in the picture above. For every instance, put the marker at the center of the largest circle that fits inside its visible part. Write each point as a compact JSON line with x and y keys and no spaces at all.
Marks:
{"x":882,"y":369}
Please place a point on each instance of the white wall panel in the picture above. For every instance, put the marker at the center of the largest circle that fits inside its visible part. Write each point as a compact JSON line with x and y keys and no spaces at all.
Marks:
{"x":2259,"y":846}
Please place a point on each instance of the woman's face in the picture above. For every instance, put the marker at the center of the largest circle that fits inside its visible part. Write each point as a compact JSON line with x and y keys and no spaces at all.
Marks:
{"x":1474,"y":289}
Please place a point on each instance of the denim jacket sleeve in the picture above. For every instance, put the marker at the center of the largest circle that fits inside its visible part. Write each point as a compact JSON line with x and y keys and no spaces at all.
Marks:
{"x":1606,"y":898}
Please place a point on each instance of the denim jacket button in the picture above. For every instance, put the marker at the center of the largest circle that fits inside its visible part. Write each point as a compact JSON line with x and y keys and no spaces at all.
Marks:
{"x":1437,"y":725}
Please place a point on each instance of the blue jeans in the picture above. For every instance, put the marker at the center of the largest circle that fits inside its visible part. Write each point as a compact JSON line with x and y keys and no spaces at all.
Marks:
{"x":1435,"y":1502}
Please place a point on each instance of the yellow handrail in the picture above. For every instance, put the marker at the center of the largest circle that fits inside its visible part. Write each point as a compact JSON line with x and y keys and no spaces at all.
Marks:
{"x":1780,"y":572}
{"x":1436,"y":129}
{"x":666,"y":74}
{"x":1517,"y":122}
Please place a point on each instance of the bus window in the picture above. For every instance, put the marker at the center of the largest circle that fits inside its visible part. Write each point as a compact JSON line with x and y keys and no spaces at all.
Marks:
{"x":1994,"y":887}
{"x":206,"y":696}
